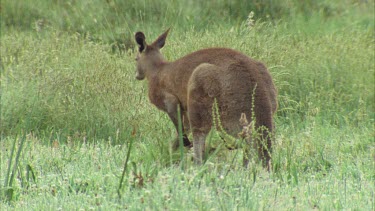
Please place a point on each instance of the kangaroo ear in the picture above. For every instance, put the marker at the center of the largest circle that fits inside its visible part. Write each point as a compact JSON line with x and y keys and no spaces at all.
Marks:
{"x":141,"y":40}
{"x":159,"y":43}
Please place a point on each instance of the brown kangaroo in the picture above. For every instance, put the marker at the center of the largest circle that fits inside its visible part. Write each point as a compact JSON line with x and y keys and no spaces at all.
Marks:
{"x":194,"y":81}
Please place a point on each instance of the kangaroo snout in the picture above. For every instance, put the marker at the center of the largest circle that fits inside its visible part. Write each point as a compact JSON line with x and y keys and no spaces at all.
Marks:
{"x":139,"y":77}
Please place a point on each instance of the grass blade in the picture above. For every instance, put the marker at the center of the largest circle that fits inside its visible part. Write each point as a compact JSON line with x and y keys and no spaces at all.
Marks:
{"x":130,"y":144}
{"x":17,"y":160}
{"x":30,"y":175}
{"x":9,"y":181}
{"x":180,"y":138}
{"x":10,"y":163}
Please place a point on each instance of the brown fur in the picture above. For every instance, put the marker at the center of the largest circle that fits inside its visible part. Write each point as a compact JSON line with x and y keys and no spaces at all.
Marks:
{"x":195,"y":80}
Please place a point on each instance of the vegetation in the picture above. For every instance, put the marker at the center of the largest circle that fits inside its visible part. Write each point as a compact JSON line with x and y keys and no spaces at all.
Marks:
{"x":71,"y":107}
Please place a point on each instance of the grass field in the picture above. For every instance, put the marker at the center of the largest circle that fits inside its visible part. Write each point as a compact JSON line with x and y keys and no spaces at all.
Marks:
{"x":71,"y":109}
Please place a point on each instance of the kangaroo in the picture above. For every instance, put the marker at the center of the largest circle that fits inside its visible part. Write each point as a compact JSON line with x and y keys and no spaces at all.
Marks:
{"x":194,"y":81}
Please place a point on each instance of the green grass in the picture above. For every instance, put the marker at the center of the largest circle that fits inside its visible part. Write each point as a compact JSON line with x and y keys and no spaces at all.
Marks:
{"x":317,"y":169}
{"x":68,"y":87}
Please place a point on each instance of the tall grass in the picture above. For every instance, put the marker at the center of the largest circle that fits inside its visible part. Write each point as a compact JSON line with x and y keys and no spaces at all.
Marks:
{"x":70,"y":85}
{"x":114,"y":21}
{"x":63,"y":93}
{"x":68,"y":80}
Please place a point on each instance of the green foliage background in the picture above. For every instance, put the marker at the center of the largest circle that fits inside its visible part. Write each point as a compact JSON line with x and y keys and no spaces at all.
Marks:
{"x":68,"y":77}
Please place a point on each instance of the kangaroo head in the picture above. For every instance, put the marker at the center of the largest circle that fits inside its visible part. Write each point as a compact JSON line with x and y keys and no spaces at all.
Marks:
{"x":149,"y":57}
